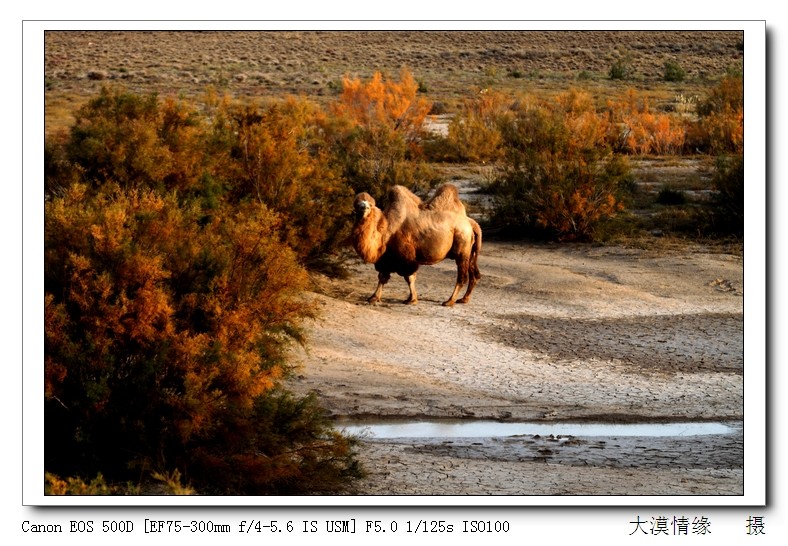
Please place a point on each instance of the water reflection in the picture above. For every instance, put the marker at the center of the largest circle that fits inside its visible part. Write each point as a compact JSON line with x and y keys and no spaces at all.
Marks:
{"x":489,"y":429}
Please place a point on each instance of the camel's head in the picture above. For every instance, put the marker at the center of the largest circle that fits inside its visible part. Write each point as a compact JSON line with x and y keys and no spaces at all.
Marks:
{"x":363,"y":205}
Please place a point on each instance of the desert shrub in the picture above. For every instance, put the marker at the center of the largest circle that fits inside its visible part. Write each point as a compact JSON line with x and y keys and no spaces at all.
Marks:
{"x":720,"y":127}
{"x":290,"y":447}
{"x":673,"y":72}
{"x":166,"y":331}
{"x":162,"y":483}
{"x":635,"y":129}
{"x":729,"y":200}
{"x":660,"y":134}
{"x":618,"y":70}
{"x":137,"y":141}
{"x":55,"y":485}
{"x":621,"y":69}
{"x":474,"y":132}
{"x":558,"y":178}
{"x":586,"y":129}
{"x":275,"y":154}
{"x":687,"y":220}
{"x":377,"y":130}
{"x":727,"y":95}
{"x":278,"y":157}
{"x":438,"y":108}
{"x":59,"y":172}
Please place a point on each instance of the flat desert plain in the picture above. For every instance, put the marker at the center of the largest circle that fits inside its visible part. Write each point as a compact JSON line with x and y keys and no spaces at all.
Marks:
{"x":553,"y":334}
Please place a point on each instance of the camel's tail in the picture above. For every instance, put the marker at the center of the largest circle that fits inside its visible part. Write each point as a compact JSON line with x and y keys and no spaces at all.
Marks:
{"x":476,"y":249}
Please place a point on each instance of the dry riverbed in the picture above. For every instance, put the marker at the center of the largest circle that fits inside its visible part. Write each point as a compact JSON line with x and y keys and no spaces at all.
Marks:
{"x":554,"y":333}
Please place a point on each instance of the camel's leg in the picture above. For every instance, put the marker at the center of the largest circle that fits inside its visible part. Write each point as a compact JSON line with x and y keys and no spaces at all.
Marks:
{"x":473,"y":268}
{"x":473,"y":278}
{"x":471,"y":284}
{"x":450,"y":302}
{"x":462,"y":277}
{"x":383,"y":278}
{"x":412,"y":297}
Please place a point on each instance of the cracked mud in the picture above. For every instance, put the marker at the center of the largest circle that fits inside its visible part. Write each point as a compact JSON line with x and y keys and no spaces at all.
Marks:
{"x":553,"y":333}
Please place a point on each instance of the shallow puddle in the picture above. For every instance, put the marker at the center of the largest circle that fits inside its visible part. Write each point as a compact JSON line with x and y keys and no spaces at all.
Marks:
{"x":493,"y":429}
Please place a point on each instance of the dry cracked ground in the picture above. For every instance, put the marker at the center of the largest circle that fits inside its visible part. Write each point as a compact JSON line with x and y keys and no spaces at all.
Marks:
{"x":552,"y":334}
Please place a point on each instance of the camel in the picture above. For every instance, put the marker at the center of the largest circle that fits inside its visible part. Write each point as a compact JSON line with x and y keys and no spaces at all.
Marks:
{"x":410,"y":233}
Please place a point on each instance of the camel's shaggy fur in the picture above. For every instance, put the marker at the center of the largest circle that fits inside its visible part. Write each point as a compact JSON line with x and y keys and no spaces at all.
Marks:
{"x":409,"y":234}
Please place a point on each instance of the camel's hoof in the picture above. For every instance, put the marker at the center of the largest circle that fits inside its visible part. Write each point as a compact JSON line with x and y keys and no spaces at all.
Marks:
{"x":373,"y":301}
{"x":463,"y":300}
{"x":410,"y":302}
{"x":449,"y":303}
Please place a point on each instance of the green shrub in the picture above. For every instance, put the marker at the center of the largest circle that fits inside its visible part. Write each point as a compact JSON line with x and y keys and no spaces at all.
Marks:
{"x":132,"y":140}
{"x":681,"y":219}
{"x":621,"y":69}
{"x":673,"y":72}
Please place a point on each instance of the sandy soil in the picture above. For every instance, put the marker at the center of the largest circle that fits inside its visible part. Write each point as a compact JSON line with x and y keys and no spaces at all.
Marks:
{"x":574,"y":333}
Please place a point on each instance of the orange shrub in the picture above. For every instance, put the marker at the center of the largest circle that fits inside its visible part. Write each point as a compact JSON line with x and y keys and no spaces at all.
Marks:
{"x":137,"y":141}
{"x":165,"y":339}
{"x":474,"y":132}
{"x":720,"y":127}
{"x":276,"y":154}
{"x":279,"y":157}
{"x":587,"y":129}
{"x":573,"y":212}
{"x":383,"y":102}
{"x":635,"y":129}
{"x":376,"y":132}
{"x":558,"y":176}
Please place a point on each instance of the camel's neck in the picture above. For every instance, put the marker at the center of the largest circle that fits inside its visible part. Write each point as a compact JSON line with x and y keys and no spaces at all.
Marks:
{"x":370,"y":235}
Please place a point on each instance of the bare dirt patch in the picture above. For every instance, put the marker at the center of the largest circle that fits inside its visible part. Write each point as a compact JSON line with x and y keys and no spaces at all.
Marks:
{"x":572,"y":333}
